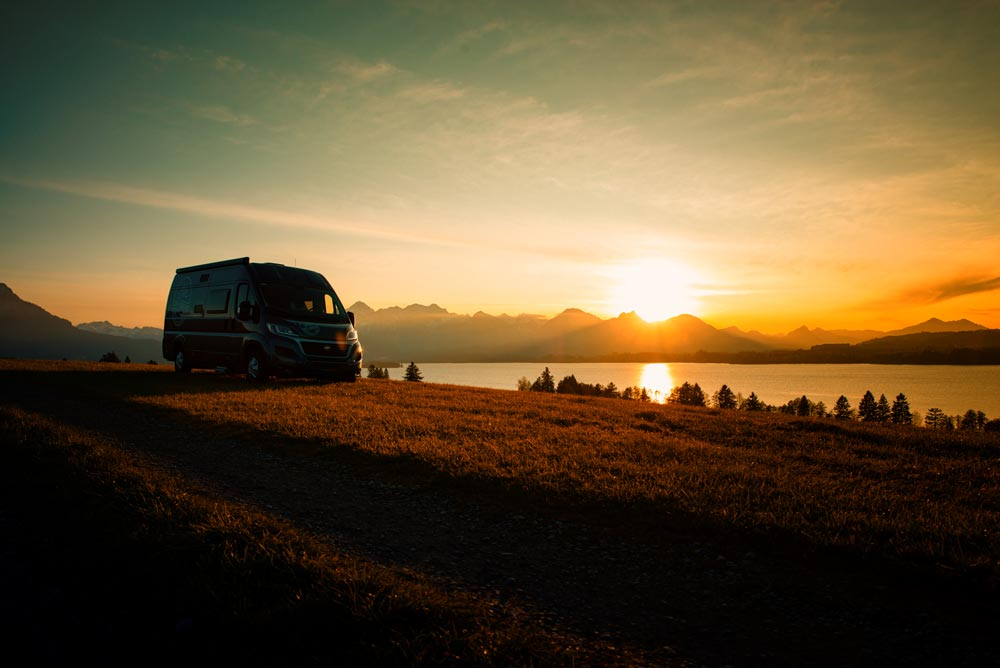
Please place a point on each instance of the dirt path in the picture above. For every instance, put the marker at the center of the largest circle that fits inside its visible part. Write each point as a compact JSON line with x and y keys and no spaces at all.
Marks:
{"x":679,"y":599}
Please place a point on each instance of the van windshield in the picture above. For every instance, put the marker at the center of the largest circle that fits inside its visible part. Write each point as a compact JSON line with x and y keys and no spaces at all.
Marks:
{"x":301,"y":302}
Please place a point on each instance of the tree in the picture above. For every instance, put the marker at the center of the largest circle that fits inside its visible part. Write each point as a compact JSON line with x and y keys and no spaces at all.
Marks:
{"x":804,"y":407}
{"x":110,"y":357}
{"x":724,"y":398}
{"x":128,"y":360}
{"x":687,"y":395}
{"x":523,"y":384}
{"x":413,"y":373}
{"x":611,"y":390}
{"x":544,"y":383}
{"x":882,"y":410}
{"x":842,"y":409}
{"x":969,"y":421}
{"x":568,"y":385}
{"x":993,"y":426}
{"x":867,"y":408}
{"x":935,"y":418}
{"x":819,"y":409}
{"x":377,"y":372}
{"x":753,"y":404}
{"x":900,"y":411}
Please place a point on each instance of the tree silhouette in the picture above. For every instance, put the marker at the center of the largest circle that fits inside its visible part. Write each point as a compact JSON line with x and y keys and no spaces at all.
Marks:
{"x":753,"y":404}
{"x":724,"y":398}
{"x":687,"y":395}
{"x":804,"y":407}
{"x":413,"y":373}
{"x":882,"y":410}
{"x":523,"y":384}
{"x":377,"y":372}
{"x":969,"y":421}
{"x":544,"y":382}
{"x":842,"y":409}
{"x":110,"y":357}
{"x":867,"y":408}
{"x":900,"y":411}
{"x":569,"y":385}
{"x":935,"y":418}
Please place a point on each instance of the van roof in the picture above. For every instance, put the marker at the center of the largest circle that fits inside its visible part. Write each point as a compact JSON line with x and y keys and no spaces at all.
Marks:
{"x":215,"y":265}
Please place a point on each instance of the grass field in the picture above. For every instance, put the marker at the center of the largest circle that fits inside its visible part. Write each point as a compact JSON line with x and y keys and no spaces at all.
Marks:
{"x":923,"y":500}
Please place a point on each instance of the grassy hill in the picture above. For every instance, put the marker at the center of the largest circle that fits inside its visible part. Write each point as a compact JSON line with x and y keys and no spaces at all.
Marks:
{"x":450,"y":525}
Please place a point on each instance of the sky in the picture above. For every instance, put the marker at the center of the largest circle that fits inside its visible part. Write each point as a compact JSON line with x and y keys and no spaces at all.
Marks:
{"x":759,"y":164}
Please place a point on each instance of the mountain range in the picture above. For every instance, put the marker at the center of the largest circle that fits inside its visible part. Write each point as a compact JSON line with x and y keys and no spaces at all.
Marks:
{"x":32,"y":332}
{"x":433,"y":334}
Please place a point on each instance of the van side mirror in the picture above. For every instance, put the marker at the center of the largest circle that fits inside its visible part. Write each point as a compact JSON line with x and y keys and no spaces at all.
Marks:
{"x":350,"y":316}
{"x":244,"y":311}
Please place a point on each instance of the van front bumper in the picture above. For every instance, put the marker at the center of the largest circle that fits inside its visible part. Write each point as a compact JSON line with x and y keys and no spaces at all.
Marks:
{"x":294,"y":357}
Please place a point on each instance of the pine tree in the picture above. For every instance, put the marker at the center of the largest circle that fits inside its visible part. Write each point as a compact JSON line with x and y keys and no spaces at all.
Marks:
{"x":753,"y":404}
{"x":882,"y":410}
{"x":724,"y":398}
{"x":804,"y":406}
{"x":687,"y":395}
{"x":842,"y":409}
{"x":413,"y":373}
{"x":545,"y":382}
{"x":900,"y":411}
{"x":867,"y":408}
{"x":935,"y":418}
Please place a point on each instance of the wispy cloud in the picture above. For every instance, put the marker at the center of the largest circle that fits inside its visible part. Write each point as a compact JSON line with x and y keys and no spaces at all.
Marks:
{"x":432,"y":91}
{"x":962,"y":287}
{"x":363,"y":71}
{"x":221,"y":114}
{"x":467,"y":37}
{"x":200,"y":206}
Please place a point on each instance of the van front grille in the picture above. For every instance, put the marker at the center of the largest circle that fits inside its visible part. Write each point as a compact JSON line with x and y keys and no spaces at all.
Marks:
{"x":324,"y":348}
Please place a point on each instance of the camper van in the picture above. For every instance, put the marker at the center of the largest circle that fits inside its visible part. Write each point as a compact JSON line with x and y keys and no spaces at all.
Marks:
{"x":261,"y":319}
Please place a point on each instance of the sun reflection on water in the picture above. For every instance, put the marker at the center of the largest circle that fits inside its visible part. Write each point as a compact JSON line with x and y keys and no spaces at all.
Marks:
{"x":657,"y":380}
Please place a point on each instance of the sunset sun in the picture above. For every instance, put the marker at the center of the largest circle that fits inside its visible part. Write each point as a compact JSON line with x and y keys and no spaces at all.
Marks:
{"x":655,"y":289}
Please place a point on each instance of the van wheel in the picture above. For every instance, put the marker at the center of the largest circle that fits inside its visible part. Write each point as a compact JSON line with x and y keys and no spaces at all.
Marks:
{"x":256,"y":366}
{"x":181,"y":363}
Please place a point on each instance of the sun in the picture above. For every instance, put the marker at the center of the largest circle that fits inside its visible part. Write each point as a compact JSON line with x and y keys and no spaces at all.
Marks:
{"x":656,"y":289}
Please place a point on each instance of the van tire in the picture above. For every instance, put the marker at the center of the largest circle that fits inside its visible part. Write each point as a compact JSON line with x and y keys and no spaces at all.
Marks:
{"x":256,"y":366}
{"x":181,"y":363}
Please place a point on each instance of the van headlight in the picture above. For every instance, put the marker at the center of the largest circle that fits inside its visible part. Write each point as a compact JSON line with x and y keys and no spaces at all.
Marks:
{"x":352,"y":334}
{"x":281,"y":330}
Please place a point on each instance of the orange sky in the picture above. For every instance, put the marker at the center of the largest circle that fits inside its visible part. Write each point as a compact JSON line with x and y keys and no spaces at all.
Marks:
{"x":764,"y":165}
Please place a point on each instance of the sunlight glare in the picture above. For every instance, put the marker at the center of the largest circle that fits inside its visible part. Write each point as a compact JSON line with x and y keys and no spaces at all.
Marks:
{"x":657,"y":380}
{"x":656,"y":289}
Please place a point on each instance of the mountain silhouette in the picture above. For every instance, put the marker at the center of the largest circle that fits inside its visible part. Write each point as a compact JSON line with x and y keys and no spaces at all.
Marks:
{"x":32,"y":332}
{"x":433,"y":334}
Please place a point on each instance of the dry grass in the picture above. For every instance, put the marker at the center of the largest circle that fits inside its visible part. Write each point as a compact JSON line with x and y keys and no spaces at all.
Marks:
{"x":145,"y":570}
{"x":903,"y":492}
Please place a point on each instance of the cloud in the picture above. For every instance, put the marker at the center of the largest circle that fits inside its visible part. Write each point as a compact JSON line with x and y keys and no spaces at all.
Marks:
{"x":221,"y":114}
{"x":199,"y":206}
{"x":432,"y":91}
{"x":962,"y":287}
{"x":367,"y":71}
{"x":472,"y":35}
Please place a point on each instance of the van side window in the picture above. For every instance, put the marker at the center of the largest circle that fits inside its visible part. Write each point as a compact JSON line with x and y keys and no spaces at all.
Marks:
{"x":185,"y":301}
{"x":218,"y":301}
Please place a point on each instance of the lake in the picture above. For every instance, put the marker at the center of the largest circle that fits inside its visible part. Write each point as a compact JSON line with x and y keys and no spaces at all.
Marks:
{"x":953,"y":389}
